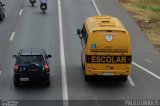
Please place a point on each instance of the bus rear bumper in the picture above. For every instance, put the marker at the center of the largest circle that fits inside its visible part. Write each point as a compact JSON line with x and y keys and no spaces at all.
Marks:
{"x":108,"y":72}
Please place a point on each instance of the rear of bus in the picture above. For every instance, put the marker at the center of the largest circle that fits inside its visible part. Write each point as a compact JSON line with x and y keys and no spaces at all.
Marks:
{"x":108,"y":53}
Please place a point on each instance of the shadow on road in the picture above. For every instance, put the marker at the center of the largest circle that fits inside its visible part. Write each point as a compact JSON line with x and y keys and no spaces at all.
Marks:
{"x":106,"y":82}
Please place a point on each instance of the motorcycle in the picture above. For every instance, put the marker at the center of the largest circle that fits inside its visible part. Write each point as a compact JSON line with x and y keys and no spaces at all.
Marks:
{"x":43,"y":7}
{"x":32,"y":2}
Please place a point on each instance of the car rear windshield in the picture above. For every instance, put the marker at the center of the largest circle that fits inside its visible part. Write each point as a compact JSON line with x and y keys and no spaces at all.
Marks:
{"x":27,"y":59}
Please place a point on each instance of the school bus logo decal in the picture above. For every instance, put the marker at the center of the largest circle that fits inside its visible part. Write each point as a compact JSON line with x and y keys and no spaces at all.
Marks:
{"x":109,"y":37}
{"x":108,"y":59}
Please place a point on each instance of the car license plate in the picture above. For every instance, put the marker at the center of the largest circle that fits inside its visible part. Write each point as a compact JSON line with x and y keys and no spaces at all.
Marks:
{"x":108,"y":74}
{"x":43,"y":7}
{"x":34,"y":70}
{"x":24,"y":79}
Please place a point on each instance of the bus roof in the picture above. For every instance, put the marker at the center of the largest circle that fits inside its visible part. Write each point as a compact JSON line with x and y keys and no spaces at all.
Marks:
{"x":98,"y":23}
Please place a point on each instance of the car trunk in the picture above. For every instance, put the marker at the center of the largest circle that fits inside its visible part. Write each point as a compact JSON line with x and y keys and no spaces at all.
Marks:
{"x":30,"y":70}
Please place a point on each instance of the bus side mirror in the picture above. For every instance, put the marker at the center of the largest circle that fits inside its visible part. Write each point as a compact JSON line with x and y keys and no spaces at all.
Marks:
{"x":79,"y":33}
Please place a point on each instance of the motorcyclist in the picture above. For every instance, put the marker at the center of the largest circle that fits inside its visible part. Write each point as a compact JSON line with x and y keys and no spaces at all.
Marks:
{"x":32,"y":2}
{"x":43,"y":2}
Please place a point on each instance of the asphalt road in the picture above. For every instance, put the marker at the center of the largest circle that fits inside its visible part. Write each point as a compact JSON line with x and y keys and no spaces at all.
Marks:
{"x":32,"y":29}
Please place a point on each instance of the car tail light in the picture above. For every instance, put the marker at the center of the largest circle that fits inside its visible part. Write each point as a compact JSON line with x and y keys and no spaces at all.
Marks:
{"x":16,"y":68}
{"x":46,"y":67}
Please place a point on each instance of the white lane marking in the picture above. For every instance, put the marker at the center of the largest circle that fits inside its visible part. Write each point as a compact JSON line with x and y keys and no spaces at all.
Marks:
{"x":20,"y":12}
{"x":131,"y":81}
{"x":146,"y":70}
{"x":0,"y":72}
{"x":132,"y":62}
{"x":12,"y":36}
{"x":96,"y":7}
{"x":147,"y":60}
{"x":63,"y":66}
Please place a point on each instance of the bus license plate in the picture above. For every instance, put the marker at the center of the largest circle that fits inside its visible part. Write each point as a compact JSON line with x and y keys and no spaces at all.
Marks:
{"x":24,"y":79}
{"x":108,"y":74}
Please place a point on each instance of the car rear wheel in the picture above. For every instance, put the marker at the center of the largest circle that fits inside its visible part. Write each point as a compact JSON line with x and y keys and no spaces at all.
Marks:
{"x":47,"y":83}
{"x":87,"y":78}
{"x":16,"y":84}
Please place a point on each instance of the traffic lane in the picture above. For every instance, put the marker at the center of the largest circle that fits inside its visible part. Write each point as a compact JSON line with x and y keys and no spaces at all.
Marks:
{"x":34,"y":30}
{"x":149,"y":62}
{"x":143,"y":52}
{"x":12,"y":8}
{"x":11,"y":11}
{"x":146,"y":85}
{"x":142,"y":48}
{"x":73,"y":14}
{"x":82,"y":9}
{"x":78,"y":89}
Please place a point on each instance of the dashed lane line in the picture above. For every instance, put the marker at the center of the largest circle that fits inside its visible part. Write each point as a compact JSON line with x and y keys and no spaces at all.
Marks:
{"x":148,"y":61}
{"x":131,"y":81}
{"x":12,"y":36}
{"x":20,"y":12}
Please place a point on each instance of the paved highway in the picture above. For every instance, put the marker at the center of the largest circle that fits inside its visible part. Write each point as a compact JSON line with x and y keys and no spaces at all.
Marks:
{"x":55,"y":31}
{"x":32,"y":30}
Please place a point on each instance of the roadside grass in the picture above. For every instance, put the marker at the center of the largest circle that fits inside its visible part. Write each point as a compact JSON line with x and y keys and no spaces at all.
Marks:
{"x":148,"y":7}
{"x":147,"y":15}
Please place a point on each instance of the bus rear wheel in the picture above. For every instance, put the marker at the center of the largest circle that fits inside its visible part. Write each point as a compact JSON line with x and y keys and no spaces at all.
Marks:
{"x":87,"y":78}
{"x":82,"y":61}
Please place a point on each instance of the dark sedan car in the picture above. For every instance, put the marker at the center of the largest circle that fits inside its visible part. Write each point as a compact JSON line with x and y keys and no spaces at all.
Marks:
{"x":31,"y":66}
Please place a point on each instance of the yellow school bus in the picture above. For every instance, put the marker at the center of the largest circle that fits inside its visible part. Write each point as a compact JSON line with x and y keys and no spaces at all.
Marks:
{"x":105,"y":48}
